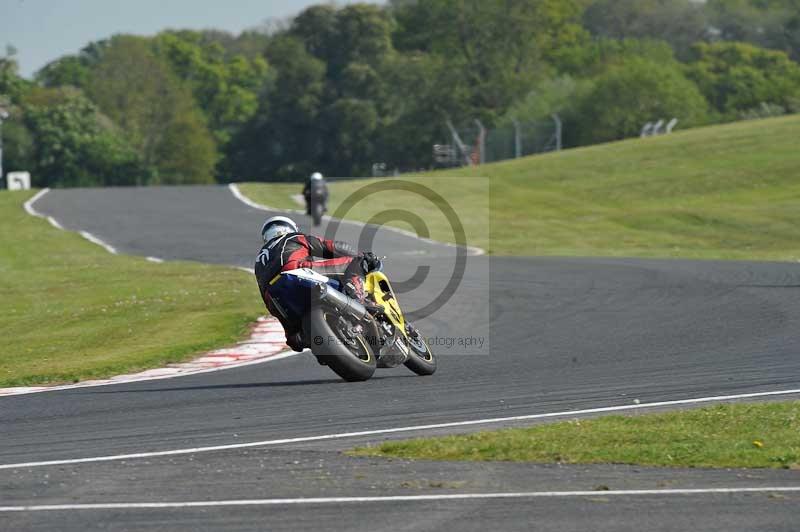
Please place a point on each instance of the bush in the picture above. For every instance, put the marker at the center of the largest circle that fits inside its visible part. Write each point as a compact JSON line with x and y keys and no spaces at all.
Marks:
{"x":75,"y":145}
{"x":631,"y":94}
{"x":738,"y":77}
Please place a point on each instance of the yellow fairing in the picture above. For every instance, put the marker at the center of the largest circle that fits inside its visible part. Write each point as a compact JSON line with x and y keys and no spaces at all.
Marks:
{"x":378,"y":285}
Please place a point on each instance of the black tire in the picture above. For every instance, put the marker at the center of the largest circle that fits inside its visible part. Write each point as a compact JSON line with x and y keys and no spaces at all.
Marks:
{"x":316,"y":213}
{"x":353,"y":364}
{"x":421,"y":359}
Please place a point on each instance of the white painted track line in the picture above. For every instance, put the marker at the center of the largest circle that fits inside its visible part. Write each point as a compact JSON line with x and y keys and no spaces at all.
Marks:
{"x":234,"y":188}
{"x":399,"y":498}
{"x":265,"y":343}
{"x":94,"y":240}
{"x":29,"y":204}
{"x":236,"y":191}
{"x":55,"y":223}
{"x":88,"y":236}
{"x":415,"y":428}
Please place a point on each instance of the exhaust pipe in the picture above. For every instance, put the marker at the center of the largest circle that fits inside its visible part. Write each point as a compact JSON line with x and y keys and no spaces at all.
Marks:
{"x":342,"y":303}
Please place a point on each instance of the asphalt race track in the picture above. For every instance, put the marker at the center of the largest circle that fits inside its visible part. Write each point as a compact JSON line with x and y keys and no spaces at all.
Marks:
{"x":559,"y":335}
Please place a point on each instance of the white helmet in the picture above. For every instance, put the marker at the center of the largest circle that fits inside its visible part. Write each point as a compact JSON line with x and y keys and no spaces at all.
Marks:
{"x":316,"y":176}
{"x":277,"y":226}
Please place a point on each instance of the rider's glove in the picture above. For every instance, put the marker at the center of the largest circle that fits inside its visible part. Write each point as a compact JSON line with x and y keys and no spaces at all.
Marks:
{"x":370,"y":263}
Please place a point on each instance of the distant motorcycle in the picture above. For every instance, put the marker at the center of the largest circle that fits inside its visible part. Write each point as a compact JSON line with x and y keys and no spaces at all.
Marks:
{"x":316,"y":212}
{"x":342,"y":334}
{"x":316,"y":198}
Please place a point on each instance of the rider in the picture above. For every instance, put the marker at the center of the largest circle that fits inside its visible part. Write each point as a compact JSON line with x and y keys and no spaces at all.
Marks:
{"x":286,"y":248}
{"x":316,"y":185}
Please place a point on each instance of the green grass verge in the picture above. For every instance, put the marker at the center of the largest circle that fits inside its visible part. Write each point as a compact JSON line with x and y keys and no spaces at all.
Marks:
{"x":723,"y":192}
{"x":756,"y":435}
{"x":71,"y":311}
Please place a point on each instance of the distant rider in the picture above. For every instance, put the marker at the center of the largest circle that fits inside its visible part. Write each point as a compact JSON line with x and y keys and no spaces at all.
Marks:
{"x":316,"y":189}
{"x":286,"y":248}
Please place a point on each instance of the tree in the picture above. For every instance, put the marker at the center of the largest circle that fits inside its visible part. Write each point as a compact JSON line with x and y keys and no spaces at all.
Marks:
{"x":556,"y":95}
{"x":18,"y":146}
{"x":497,"y":49}
{"x":325,"y":108}
{"x":738,"y":77}
{"x":423,"y":95}
{"x":73,"y":70}
{"x":681,"y":23}
{"x":283,"y":139}
{"x":594,"y":58}
{"x":70,"y":70}
{"x":363,"y":35}
{"x":226,"y":87}
{"x":350,"y":125}
{"x":12,"y":86}
{"x":249,"y":44}
{"x":632,"y":93}
{"x":768,"y":23}
{"x":75,"y":145}
{"x":187,"y":153}
{"x":315,"y":28}
{"x":737,"y":20}
{"x":140,"y":94}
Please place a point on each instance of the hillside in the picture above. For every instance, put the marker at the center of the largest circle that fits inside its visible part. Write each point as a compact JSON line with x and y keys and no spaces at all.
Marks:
{"x":729,"y":191}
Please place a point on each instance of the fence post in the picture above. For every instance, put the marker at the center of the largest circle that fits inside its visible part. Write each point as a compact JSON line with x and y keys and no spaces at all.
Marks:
{"x":671,"y":125}
{"x":459,"y":144}
{"x":481,"y":141}
{"x":517,"y":138}
{"x":559,"y":130}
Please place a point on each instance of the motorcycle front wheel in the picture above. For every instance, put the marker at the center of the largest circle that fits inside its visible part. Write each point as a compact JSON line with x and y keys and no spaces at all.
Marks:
{"x":316,"y":213}
{"x":421,"y":359}
{"x":337,"y":343}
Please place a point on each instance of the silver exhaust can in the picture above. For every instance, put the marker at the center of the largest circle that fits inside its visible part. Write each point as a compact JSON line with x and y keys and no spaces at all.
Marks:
{"x":342,"y":303}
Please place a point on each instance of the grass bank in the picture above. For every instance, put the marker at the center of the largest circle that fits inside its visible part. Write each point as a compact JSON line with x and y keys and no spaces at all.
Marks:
{"x":757,"y":435}
{"x":722,"y":192}
{"x":71,"y":311}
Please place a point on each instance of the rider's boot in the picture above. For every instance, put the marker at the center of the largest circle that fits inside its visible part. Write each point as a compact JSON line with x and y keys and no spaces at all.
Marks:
{"x":295,"y":341}
{"x":354,"y":288}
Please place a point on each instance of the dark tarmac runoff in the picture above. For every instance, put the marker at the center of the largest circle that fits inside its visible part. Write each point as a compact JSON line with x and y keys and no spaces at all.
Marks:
{"x":559,"y":334}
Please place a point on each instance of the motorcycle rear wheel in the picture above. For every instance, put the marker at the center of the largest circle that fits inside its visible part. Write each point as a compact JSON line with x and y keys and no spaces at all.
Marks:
{"x":349,"y":355}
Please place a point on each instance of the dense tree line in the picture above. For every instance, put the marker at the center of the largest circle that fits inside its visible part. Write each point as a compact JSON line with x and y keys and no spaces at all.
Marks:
{"x":339,"y":89}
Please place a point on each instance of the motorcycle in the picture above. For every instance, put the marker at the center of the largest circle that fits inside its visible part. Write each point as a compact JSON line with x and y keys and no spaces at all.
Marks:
{"x":343,"y":334}
{"x":315,"y":204}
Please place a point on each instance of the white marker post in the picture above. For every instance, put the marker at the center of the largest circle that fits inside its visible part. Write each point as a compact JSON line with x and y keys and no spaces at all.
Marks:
{"x":18,"y":180}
